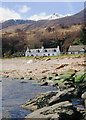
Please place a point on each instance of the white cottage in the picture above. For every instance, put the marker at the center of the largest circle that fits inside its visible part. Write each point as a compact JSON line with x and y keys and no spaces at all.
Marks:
{"x":43,"y":52}
{"x":76,"y":49}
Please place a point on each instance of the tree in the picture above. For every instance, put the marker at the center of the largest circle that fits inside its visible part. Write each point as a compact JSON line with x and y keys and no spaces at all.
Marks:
{"x":83,"y":36}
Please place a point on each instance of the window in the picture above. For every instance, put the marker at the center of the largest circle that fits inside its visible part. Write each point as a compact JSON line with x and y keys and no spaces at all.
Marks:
{"x":32,"y":55}
{"x":53,"y":54}
{"x":73,"y":52}
{"x":38,"y":50}
{"x":36,"y":54}
{"x":48,"y":54}
{"x":45,"y":50}
{"x":54,"y":50}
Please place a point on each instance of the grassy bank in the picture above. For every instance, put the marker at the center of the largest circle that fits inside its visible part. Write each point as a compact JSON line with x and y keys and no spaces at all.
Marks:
{"x":58,"y":56}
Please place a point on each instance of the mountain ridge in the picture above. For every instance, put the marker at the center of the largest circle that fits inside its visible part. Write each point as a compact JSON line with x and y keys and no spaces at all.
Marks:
{"x":67,"y":20}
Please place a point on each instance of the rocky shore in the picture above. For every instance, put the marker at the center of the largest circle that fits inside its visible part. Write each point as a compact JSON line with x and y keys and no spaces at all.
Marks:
{"x":67,"y":103}
{"x":36,"y":68}
{"x":67,"y":74}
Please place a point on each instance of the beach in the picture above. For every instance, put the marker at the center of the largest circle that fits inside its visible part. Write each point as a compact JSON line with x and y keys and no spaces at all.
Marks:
{"x":39,"y":67}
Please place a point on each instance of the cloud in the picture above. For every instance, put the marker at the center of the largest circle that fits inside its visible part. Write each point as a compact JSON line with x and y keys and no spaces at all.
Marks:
{"x":38,"y":17}
{"x":24,"y":9}
{"x":6,"y":14}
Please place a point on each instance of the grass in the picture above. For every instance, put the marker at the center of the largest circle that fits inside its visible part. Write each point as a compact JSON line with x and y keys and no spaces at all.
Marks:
{"x":58,"y":56}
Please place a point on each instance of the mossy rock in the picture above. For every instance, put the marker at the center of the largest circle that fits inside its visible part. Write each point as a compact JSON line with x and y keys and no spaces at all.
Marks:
{"x":63,"y":78}
{"x":56,"y":78}
{"x":21,"y":77}
{"x":54,"y":74}
{"x":57,"y":81}
{"x":49,"y":78}
{"x":67,"y":76}
{"x":79,"y":77}
{"x":29,"y":78}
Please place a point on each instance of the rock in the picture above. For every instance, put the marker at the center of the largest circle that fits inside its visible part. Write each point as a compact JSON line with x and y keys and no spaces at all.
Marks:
{"x":55,"y":117}
{"x":60,"y":66}
{"x":61,"y":85}
{"x":80,"y":76}
{"x":44,"y":84}
{"x":44,"y":71}
{"x":80,"y":89}
{"x":48,"y":82}
{"x":62,"y":96}
{"x":49,"y":78}
{"x":47,"y":112}
{"x":48,"y":59}
{"x":84,"y":98}
{"x":74,"y":64}
{"x":69,"y":84}
{"x":48,"y":99}
{"x":67,"y":76}
{"x":31,"y":61}
{"x":82,"y":63}
{"x":60,"y":111}
{"x":39,"y":101}
{"x":44,"y":77}
{"x":23,"y":82}
{"x":30,"y":78}
{"x":30,"y":71}
{"x":56,"y":78}
{"x":84,"y":95}
{"x":21,"y":77}
{"x":64,"y":77}
{"x":54,"y":74}
{"x":82,"y":111}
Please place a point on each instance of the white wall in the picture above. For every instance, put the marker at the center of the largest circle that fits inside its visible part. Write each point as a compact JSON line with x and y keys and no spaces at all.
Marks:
{"x":42,"y":54}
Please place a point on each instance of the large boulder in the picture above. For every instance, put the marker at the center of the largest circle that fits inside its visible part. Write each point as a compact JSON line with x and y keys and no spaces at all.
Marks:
{"x":48,"y":112}
{"x":48,"y":99}
{"x":60,"y":111}
{"x":64,"y":95}
{"x":39,"y":101}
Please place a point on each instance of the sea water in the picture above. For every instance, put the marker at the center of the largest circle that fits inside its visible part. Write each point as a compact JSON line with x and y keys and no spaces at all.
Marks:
{"x":16,"y":92}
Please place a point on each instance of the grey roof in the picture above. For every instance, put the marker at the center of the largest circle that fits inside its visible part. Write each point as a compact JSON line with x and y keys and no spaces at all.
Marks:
{"x":76,"y":48}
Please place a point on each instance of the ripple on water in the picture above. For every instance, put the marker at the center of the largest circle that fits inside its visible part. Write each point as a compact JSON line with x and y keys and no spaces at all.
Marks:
{"x":15,"y":93}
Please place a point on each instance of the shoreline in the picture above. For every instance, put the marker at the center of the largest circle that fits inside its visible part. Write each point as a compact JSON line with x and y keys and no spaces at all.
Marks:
{"x":40,"y":67}
{"x":66,"y":74}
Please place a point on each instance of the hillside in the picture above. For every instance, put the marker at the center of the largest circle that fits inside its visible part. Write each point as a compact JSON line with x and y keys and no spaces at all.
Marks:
{"x":50,"y":33}
{"x":68,"y":20}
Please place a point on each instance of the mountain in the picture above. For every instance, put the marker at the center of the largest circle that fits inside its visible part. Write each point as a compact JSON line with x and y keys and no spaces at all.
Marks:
{"x":11,"y":22}
{"x":51,"y":20}
{"x":54,"y":16}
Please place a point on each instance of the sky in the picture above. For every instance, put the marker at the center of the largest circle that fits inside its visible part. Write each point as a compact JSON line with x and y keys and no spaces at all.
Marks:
{"x":37,"y":10}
